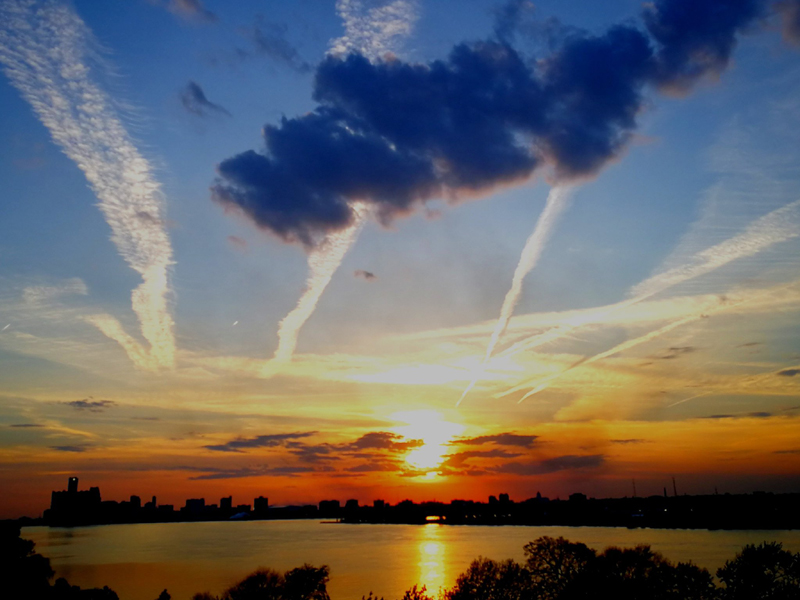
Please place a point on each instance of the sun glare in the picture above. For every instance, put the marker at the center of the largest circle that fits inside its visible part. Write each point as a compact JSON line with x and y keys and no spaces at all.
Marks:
{"x":435,"y":433}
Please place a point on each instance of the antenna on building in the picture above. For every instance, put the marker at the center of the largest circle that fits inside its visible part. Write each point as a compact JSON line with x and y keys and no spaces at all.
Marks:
{"x":634,"y":487}
{"x":674,"y":488}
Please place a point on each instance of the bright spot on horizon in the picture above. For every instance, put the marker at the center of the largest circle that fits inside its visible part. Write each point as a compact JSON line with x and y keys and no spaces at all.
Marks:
{"x":435,"y":433}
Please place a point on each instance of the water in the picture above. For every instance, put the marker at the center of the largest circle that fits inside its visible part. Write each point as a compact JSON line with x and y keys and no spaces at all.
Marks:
{"x":138,"y":561}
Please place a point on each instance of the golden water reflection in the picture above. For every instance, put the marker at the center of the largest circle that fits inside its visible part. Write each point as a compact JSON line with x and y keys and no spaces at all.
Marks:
{"x":431,"y":558}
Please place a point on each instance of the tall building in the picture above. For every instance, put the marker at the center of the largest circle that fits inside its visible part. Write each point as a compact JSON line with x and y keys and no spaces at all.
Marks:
{"x":72,"y":485}
{"x":261,"y":504}
{"x":226,"y":503}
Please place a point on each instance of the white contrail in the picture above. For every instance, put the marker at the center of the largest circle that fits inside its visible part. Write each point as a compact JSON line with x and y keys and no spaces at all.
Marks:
{"x":780,"y":225}
{"x":557,"y":201}
{"x":46,"y":51}
{"x":720,"y":305}
{"x":322,"y":264}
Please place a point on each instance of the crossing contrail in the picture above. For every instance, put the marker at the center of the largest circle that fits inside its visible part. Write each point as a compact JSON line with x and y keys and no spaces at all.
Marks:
{"x":780,"y":225}
{"x":557,"y":201}
{"x":47,"y":52}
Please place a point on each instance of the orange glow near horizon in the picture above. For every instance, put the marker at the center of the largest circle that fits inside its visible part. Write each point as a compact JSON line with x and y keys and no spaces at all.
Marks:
{"x":435,"y":433}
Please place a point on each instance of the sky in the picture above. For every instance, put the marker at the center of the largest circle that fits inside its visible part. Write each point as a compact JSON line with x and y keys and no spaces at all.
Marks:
{"x":389,"y":249}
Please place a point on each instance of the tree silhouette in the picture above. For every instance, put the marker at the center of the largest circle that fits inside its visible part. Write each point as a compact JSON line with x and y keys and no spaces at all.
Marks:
{"x":486,"y":579}
{"x":554,"y":563}
{"x":763,"y":572}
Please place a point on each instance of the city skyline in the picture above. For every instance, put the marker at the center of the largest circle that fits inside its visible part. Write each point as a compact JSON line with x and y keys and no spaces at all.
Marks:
{"x":399,"y":249}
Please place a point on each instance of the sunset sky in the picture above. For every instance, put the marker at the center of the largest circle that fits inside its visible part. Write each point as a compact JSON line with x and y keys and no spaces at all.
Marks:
{"x":261,"y":248}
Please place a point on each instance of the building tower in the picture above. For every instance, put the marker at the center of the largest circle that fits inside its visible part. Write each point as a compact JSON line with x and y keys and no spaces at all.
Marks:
{"x":72,"y":486}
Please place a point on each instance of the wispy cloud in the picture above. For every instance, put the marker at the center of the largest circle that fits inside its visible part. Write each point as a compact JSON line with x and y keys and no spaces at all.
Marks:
{"x":194,"y":100}
{"x":260,"y":441}
{"x":91,"y":405}
{"x":46,"y":51}
{"x":374,"y":27}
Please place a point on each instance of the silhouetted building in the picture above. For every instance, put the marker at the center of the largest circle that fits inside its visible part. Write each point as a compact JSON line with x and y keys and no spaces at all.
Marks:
{"x":378,"y":504}
{"x":194,"y":506}
{"x":351,"y":504}
{"x":329,"y":508}
{"x":261,"y":504}
{"x":504,"y":499}
{"x":226,"y":503}
{"x":243,"y":508}
{"x":71,"y":506}
{"x":577,"y":497}
{"x":136,"y":502}
{"x":492,"y":499}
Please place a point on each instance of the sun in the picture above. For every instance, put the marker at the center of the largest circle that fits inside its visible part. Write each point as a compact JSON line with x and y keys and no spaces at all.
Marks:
{"x":435,"y":433}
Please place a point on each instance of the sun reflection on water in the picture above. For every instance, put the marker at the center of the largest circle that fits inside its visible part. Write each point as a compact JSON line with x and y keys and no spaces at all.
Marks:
{"x":431,"y":558}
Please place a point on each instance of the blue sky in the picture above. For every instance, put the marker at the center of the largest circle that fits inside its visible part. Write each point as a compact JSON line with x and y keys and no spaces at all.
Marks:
{"x":692,"y":226}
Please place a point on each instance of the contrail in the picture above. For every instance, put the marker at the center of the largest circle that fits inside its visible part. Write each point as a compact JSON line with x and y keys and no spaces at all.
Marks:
{"x":543,"y":384}
{"x":46,"y":51}
{"x":721,"y":305}
{"x":557,"y":201}
{"x":322,"y":264}
{"x":780,"y":225}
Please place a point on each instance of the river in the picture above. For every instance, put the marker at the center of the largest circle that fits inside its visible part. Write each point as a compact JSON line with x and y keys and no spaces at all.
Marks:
{"x":138,"y":561}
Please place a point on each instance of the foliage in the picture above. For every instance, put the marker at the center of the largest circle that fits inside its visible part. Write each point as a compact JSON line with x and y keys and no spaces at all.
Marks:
{"x":762,"y":572}
{"x":486,"y":579}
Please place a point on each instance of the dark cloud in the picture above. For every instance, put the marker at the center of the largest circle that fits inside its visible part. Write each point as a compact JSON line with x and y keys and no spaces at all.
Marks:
{"x":83,"y":448}
{"x":790,"y":15}
{"x":628,"y":441}
{"x":695,"y":38}
{"x":508,"y":16}
{"x":795,"y":451}
{"x":501,"y":439}
{"x":375,"y":467}
{"x":396,"y":134}
{"x":261,"y":441}
{"x":789,"y":372}
{"x":750,"y":415}
{"x":194,"y":100}
{"x":676,"y":352}
{"x":367,"y":275}
{"x":210,"y":473}
{"x":269,"y":40}
{"x":750,"y":345}
{"x":91,"y":405}
{"x":457,"y":460}
{"x":25,"y":425}
{"x":560,"y":463}
{"x":382,"y":440}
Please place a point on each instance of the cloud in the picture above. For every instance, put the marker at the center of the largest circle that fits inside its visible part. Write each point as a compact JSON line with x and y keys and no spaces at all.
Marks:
{"x":457,"y":460}
{"x":367,"y":275}
{"x":374,"y":27}
{"x":47,"y":51}
{"x":676,"y":352}
{"x":500,"y":439}
{"x":211,"y":473}
{"x":750,"y":415}
{"x":192,"y":10}
{"x":696,"y":38}
{"x":628,"y":441}
{"x":261,"y":441}
{"x":194,"y":100}
{"x":789,"y":372}
{"x":382,"y":440}
{"x":507,"y":18}
{"x":395,"y":134}
{"x":238,"y":243}
{"x":25,"y":425}
{"x":91,"y":405}
{"x":269,"y":40}
{"x":790,"y":14}
{"x":83,"y":448}
{"x":567,"y":462}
